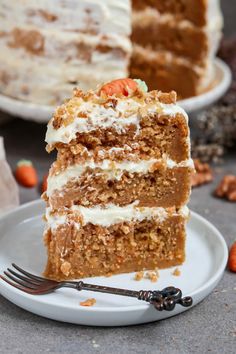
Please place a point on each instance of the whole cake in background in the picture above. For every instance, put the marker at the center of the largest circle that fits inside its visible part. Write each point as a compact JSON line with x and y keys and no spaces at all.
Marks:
{"x":117,"y":192}
{"x":47,"y":48}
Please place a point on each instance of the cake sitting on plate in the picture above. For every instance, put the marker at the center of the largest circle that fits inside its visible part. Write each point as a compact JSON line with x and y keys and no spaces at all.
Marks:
{"x":117,"y":192}
{"x":46,"y":50}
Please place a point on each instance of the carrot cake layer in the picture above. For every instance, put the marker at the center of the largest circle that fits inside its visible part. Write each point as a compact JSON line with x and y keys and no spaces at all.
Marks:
{"x":113,"y":240}
{"x":153,"y":182}
{"x":166,"y":70}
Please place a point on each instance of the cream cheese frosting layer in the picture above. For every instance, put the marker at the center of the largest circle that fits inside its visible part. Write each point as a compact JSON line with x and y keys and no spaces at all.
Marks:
{"x":110,"y":215}
{"x":127,"y":112}
{"x":112,"y":170}
{"x":214,"y":18}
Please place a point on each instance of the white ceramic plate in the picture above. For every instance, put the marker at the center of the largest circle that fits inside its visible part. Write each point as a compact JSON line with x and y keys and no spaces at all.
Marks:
{"x":41,"y":113}
{"x":21,"y":242}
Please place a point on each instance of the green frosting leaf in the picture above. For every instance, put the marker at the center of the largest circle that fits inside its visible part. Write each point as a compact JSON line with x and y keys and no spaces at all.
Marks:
{"x":142,"y":85}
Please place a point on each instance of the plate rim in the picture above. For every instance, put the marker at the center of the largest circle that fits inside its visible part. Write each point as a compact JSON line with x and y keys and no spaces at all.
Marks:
{"x":131,"y":308}
{"x":42,"y":113}
{"x":213,"y":94}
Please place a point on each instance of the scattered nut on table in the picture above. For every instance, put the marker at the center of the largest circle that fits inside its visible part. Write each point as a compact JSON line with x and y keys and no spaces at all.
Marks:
{"x":227,"y":188}
{"x":203,"y":173}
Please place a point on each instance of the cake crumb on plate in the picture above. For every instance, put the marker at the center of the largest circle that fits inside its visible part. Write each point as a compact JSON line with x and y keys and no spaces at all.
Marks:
{"x":152,"y":275}
{"x":176,"y":272}
{"x":88,"y":302}
{"x":139,"y":276}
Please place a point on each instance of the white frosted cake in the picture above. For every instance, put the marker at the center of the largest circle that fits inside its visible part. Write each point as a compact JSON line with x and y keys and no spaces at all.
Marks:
{"x":49,"y":47}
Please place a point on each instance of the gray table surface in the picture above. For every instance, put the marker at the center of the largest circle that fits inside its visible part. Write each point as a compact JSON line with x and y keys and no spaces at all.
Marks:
{"x":208,"y":327}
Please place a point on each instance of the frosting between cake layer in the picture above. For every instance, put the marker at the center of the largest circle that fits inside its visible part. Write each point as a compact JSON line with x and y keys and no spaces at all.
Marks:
{"x":126,"y":113}
{"x":110,"y":215}
{"x":111,"y":169}
{"x":212,"y":31}
{"x":214,"y":17}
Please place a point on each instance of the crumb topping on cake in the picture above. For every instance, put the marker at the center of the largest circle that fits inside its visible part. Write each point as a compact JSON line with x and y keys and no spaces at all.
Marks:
{"x":86,"y":112}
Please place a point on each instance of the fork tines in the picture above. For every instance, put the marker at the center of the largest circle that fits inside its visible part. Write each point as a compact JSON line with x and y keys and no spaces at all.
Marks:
{"x":25,"y":281}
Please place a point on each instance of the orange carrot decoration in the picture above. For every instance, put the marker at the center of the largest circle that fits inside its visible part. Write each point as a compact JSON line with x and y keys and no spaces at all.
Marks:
{"x":119,"y":87}
{"x":26,"y":174}
{"x":232,"y":258}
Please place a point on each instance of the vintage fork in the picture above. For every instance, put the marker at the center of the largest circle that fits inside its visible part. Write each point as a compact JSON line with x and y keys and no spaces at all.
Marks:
{"x":165,"y":299}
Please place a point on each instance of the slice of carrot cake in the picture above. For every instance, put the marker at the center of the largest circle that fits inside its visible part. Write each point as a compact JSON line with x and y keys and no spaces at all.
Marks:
{"x":117,"y":191}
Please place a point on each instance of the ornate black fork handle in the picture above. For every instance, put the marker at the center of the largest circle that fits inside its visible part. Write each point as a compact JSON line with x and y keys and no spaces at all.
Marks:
{"x":165,"y":299}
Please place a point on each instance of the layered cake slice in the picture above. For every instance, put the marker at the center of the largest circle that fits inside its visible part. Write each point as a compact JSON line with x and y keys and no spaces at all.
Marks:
{"x":117,"y":191}
{"x":175,"y":43}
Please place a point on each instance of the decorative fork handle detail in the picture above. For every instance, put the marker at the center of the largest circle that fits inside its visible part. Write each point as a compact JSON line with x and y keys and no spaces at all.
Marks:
{"x":165,"y":299}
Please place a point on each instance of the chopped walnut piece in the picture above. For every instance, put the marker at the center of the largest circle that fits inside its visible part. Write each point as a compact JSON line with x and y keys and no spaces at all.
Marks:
{"x":139,"y":276}
{"x":125,"y":229}
{"x":57,"y":118}
{"x":227,"y":188}
{"x":111,"y":102}
{"x":68,"y":120}
{"x":152,"y":275}
{"x":88,"y":302}
{"x":65,"y":268}
{"x":176,"y":272}
{"x":203,"y":173}
{"x":78,"y":92}
{"x":83,"y":114}
{"x":167,"y":98}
